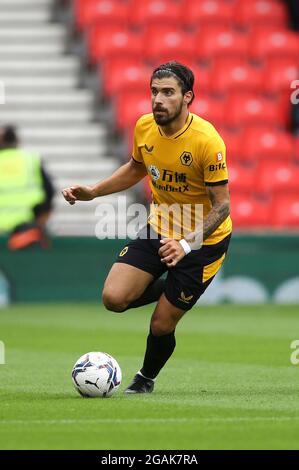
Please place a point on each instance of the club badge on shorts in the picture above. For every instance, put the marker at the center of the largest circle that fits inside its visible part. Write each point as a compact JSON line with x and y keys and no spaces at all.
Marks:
{"x":124,"y":251}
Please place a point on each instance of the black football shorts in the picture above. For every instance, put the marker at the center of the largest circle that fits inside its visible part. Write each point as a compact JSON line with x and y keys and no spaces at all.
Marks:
{"x":185,"y":282}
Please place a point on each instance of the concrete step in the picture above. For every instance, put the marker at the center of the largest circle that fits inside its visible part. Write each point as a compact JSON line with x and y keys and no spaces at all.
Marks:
{"x":83,"y":135}
{"x":51,"y":107}
{"x":82,"y":225}
{"x":75,"y":97}
{"x":85,"y":211}
{"x":31,"y":51}
{"x":44,"y":34}
{"x":90,"y":212}
{"x":46,"y":117}
{"x":61,"y":153}
{"x":74,"y":103}
{"x":81,"y":219}
{"x":57,"y":66}
{"x":61,"y":204}
{"x":72,"y":228}
{"x":41,"y":89}
{"x":29,"y":18}
{"x":70,"y":180}
{"x":10,"y":5}
{"x":82,"y":169}
{"x":31,"y":83}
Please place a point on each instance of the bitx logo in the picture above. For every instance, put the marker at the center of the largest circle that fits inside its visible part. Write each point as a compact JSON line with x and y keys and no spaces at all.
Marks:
{"x":219,"y":166}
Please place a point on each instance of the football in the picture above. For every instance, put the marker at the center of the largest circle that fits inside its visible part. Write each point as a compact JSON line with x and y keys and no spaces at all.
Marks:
{"x":96,"y":374}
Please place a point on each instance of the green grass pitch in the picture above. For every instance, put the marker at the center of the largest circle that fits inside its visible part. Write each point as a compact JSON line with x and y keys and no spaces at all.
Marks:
{"x":229,"y":385}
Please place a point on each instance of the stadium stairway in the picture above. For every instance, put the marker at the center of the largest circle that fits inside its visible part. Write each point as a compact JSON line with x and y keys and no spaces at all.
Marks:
{"x":53,"y":112}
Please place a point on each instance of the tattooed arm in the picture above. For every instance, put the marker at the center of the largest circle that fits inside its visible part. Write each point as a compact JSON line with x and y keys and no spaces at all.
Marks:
{"x":171,"y":251}
{"x":219,"y":197}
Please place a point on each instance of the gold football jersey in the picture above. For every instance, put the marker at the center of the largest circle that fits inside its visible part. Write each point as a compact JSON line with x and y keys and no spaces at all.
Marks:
{"x":180,"y":167}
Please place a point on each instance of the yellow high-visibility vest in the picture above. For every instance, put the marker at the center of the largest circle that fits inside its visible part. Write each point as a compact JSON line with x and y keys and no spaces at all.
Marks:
{"x":21,"y":187}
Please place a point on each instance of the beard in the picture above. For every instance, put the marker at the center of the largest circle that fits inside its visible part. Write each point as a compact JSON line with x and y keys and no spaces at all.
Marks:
{"x":165,"y":119}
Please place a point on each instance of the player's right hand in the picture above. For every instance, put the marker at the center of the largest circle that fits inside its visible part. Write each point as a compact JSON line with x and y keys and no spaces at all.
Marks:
{"x":78,"y":193}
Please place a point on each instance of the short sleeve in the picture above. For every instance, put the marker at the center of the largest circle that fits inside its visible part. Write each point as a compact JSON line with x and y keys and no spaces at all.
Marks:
{"x":214,"y":162}
{"x":136,"y":153}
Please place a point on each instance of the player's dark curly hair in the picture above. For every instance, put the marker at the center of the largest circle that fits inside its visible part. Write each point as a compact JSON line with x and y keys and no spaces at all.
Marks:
{"x":180,"y":72}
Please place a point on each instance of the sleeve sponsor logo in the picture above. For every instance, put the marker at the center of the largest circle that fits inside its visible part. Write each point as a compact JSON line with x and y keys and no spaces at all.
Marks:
{"x":218,"y":166}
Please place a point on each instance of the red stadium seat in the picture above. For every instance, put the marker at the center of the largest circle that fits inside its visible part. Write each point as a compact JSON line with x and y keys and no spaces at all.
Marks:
{"x":129,"y":137}
{"x":213,"y":42}
{"x":208,"y":108}
{"x":108,"y":42}
{"x":207,"y":12}
{"x":249,"y":212}
{"x":259,"y":143}
{"x":233,"y":144}
{"x":283,"y":100}
{"x":183,"y":56}
{"x":266,"y":44}
{"x":241,"y":179}
{"x":253,"y":109}
{"x":125,"y":75}
{"x":162,"y":43}
{"x":235,"y":75}
{"x":277,"y":176}
{"x":279,"y":73}
{"x":80,"y":8}
{"x":202,"y":75}
{"x":260,"y":12}
{"x":184,"y":59}
{"x":285,"y":211}
{"x":105,"y":12}
{"x":149,"y":12}
{"x":130,"y":106}
{"x":297,"y":148}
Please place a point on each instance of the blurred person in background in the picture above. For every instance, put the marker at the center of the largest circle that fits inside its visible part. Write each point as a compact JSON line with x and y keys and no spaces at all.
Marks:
{"x":293,"y":6}
{"x":26,"y":194}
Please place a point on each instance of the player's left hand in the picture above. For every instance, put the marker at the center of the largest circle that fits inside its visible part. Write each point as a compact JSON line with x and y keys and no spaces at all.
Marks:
{"x":171,"y":252}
